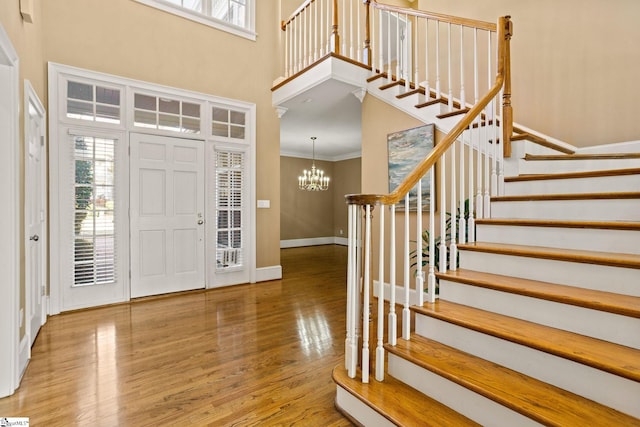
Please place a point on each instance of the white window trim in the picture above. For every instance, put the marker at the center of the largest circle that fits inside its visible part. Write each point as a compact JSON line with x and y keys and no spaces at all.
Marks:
{"x":247,"y":33}
{"x":58,"y":120}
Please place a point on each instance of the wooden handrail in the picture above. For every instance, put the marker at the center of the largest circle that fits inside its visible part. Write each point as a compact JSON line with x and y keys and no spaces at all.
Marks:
{"x":297,"y":12}
{"x":489,"y":26}
{"x":504,"y":29}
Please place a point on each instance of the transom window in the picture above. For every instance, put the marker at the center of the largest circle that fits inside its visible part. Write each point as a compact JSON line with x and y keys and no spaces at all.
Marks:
{"x":86,"y":101}
{"x":235,"y":16}
{"x":228,"y":123}
{"x":165,"y":114}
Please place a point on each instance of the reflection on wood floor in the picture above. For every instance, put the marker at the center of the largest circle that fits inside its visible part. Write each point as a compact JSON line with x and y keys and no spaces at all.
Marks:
{"x":245,"y":355}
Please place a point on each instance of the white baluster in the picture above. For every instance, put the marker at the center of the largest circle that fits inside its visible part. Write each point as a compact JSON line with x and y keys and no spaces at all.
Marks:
{"x":322,"y":29}
{"x":463,"y":102}
{"x":305,"y":31}
{"x":472,"y":159}
{"x":380,"y":43}
{"x":343,"y":28}
{"x":393,"y":318}
{"x":438,"y":87}
{"x":316,"y":51}
{"x":488,"y":109}
{"x":462,"y":225}
{"x":431,"y":280}
{"x":351,"y":25}
{"x":287,"y":53}
{"x":366,"y":296}
{"x":450,"y":80}
{"x":443,"y":217}
{"x":389,"y":72}
{"x":359,"y":44}
{"x":453,"y":251}
{"x":406,"y":313}
{"x":398,"y":48}
{"x":352,"y":293}
{"x":380,"y":345}
{"x":406,"y":52}
{"x":426,"y":84}
{"x":416,"y":46}
{"x":419,"y":269}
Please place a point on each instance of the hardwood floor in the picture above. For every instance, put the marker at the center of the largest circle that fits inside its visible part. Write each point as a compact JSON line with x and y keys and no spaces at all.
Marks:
{"x":245,"y":355}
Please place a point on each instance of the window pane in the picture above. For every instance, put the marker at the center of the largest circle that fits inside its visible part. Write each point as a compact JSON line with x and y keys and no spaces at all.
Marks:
{"x":220,"y":115}
{"x":108,"y":114}
{"x":79,"y":110}
{"x":81,"y":91}
{"x":237,"y":117}
{"x":168,"y":122}
{"x":145,"y":102}
{"x":236,"y":132}
{"x":191,"y":110}
{"x":218,"y":129}
{"x":144,"y":119}
{"x":169,"y":106}
{"x":107,"y":96}
{"x":191,"y":125}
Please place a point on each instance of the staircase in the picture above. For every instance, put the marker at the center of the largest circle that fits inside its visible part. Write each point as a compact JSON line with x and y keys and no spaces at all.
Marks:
{"x":541,"y":322}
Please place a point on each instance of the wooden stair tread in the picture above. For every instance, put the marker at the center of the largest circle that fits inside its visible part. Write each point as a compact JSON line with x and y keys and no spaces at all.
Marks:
{"x":609,"y":357}
{"x":558,"y":254}
{"x":573,"y":175}
{"x":606,"y":225}
{"x":453,"y":113}
{"x":603,"y":156}
{"x":512,"y":389}
{"x":569,"y":196}
{"x":419,"y":90}
{"x":400,"y":403}
{"x":610,"y":302}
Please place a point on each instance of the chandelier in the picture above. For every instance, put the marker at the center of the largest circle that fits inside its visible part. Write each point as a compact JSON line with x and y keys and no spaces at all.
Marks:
{"x":313,"y":180}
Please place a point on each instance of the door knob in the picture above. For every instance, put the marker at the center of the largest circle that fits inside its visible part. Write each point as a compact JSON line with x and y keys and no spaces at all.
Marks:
{"x":200,"y":222}
{"x":35,"y":238}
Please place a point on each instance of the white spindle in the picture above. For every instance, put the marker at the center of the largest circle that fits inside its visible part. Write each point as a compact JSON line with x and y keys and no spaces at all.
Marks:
{"x":365,"y":295}
{"x":393,"y":318}
{"x":351,"y":25}
{"x":438,"y":87}
{"x":443,"y":217}
{"x":322,"y":29}
{"x":494,"y":151}
{"x":427,"y":88}
{"x":449,"y":78}
{"x":431,"y":280}
{"x":419,"y":269}
{"x":462,"y":225}
{"x":352,"y":292}
{"x":359,"y":33}
{"x":490,"y":135}
{"x":398,"y":48}
{"x":389,"y":72}
{"x":380,"y":344}
{"x":463,"y":102}
{"x":316,"y":50}
{"x":453,"y":251}
{"x":472,"y":222}
{"x":287,"y":53}
{"x":416,"y":47}
{"x":380,"y":43}
{"x":342,"y":28}
{"x":406,"y":313}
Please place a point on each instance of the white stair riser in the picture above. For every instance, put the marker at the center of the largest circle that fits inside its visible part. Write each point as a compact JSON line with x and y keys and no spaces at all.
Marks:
{"x":620,"y":280}
{"x":603,"y":184}
{"x":459,"y":398}
{"x":606,"y":326}
{"x":579,"y":210}
{"x":358,"y":410}
{"x":591,"y":239}
{"x":561,"y":166}
{"x":608,"y":389}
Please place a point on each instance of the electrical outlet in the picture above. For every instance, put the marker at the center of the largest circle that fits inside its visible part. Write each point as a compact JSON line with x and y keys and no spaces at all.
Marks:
{"x":341,"y":232}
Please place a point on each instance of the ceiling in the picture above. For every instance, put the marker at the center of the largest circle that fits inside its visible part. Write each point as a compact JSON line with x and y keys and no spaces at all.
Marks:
{"x":329,"y":111}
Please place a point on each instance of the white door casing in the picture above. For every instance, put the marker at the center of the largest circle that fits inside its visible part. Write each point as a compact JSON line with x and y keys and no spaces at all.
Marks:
{"x":35,"y":212}
{"x":166,"y":214}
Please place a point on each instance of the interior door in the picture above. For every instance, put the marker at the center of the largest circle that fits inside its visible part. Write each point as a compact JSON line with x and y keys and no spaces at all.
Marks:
{"x":167,"y":215}
{"x":35,"y":213}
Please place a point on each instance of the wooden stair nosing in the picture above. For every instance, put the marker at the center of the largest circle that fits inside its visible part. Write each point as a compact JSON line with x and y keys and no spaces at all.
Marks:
{"x":557,"y":254}
{"x":391,"y":84}
{"x":568,"y":196}
{"x":609,"y":302}
{"x":400,"y":403}
{"x":603,"y":156}
{"x":418,"y":90}
{"x":453,"y":113}
{"x":432,"y":102}
{"x":602,"y":225}
{"x":573,"y":175}
{"x":532,"y":398}
{"x":616,"y":359}
{"x":376,"y":77}
{"x":524,"y":135}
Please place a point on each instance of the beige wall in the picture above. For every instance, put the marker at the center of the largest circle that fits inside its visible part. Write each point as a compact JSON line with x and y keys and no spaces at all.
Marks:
{"x":126,"y":38}
{"x":310,"y":214}
{"x":346,"y":180}
{"x":575,"y":64}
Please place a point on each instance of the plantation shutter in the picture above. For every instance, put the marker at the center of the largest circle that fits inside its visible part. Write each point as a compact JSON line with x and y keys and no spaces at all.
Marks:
{"x":229,"y":189}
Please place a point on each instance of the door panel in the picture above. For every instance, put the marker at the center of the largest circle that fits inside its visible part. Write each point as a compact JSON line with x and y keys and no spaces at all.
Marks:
{"x":167,"y":211}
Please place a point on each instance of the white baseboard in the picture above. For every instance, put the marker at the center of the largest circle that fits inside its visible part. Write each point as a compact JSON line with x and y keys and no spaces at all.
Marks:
{"x":265,"y":274}
{"x":314,"y":241}
{"x":23,"y":355}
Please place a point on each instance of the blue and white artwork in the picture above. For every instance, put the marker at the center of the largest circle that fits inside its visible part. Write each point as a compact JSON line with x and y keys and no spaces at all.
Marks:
{"x":407,"y":148}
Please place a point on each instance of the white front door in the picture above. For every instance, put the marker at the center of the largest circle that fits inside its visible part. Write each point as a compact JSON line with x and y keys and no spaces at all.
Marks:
{"x":167,"y":214}
{"x":34,"y":212}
